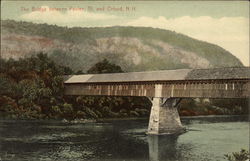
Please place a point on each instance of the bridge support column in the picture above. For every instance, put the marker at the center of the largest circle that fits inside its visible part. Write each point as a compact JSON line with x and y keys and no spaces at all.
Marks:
{"x":164,"y":117}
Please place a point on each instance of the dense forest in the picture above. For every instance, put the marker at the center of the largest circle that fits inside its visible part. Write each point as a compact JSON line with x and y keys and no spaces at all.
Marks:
{"x":32,"y":88}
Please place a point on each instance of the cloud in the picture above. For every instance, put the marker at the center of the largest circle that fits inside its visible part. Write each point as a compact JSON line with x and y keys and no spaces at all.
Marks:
{"x":64,"y":18}
{"x":231,"y":33}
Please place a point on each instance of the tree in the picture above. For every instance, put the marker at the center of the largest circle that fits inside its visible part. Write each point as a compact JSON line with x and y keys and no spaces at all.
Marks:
{"x":243,"y":155}
{"x":104,"y":67}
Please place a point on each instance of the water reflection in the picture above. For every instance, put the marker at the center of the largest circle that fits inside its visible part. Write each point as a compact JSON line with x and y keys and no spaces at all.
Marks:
{"x":120,"y":141}
{"x":162,"y":148}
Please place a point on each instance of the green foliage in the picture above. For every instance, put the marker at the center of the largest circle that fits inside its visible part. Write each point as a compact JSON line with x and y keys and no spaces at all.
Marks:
{"x":134,"y":113}
{"x":33,"y":88}
{"x":142,"y":112}
{"x":243,"y":155}
{"x":57,"y":85}
{"x":91,"y":113}
{"x":104,"y":67}
{"x":235,"y":106}
{"x":80,"y":114}
{"x":56,"y":109}
{"x":34,"y":84}
{"x":67,"y":108}
{"x":214,"y":107}
{"x":5,"y":86}
{"x":106,"y":107}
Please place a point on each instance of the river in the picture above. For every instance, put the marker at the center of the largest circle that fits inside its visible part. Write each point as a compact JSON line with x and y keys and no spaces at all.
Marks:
{"x":207,"y":139}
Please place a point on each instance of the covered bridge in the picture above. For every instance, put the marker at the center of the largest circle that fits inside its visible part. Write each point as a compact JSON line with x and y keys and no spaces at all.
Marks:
{"x":206,"y":83}
{"x":165,"y":89}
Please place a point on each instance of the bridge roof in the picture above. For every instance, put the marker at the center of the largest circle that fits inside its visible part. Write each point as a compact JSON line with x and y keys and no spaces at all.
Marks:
{"x":163,"y":75}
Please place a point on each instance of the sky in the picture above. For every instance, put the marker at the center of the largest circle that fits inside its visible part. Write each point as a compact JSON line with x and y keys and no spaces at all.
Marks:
{"x":225,"y":23}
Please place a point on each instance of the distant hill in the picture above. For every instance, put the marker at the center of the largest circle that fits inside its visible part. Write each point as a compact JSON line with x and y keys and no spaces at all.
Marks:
{"x":133,"y":48}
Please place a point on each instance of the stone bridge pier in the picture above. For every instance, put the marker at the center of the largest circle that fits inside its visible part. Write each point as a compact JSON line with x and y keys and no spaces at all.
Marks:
{"x":164,"y":117}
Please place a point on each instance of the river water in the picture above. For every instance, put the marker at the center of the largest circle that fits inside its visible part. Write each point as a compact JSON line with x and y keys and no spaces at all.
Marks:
{"x":208,"y":138}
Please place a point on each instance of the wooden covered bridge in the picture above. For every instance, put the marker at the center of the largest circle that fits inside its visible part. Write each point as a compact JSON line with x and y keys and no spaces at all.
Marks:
{"x":165,"y":89}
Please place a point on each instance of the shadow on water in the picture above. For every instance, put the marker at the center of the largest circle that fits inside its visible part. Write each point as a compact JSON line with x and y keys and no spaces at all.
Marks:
{"x":162,"y":148}
{"x":186,"y":120}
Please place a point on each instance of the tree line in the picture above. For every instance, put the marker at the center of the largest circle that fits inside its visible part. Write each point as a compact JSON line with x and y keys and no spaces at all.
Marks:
{"x":32,"y":88}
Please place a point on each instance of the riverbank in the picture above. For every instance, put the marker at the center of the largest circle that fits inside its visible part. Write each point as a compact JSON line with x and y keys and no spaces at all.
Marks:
{"x":206,"y":117}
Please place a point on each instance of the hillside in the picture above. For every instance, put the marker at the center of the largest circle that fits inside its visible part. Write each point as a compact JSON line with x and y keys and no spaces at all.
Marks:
{"x":133,"y":48}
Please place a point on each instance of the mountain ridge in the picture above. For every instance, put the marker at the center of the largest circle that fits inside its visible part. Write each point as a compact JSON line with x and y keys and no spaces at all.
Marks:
{"x":133,"y":48}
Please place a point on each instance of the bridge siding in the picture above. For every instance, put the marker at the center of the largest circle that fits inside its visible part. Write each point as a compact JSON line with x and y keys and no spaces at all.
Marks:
{"x":203,"y":89}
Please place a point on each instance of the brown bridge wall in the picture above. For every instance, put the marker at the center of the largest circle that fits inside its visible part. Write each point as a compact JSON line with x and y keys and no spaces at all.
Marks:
{"x":183,"y":89}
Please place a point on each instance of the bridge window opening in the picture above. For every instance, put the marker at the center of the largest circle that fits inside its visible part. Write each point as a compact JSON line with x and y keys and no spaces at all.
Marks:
{"x":206,"y":85}
{"x":177,"y":86}
{"x":240,"y":86}
{"x":196,"y":85}
{"x":210,"y":86}
{"x":222,"y":86}
{"x":229,"y":86}
{"x":182,"y":86}
{"x":191,"y":86}
{"x":236,"y":85}
{"x":201,"y":86}
{"x":216,"y":86}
